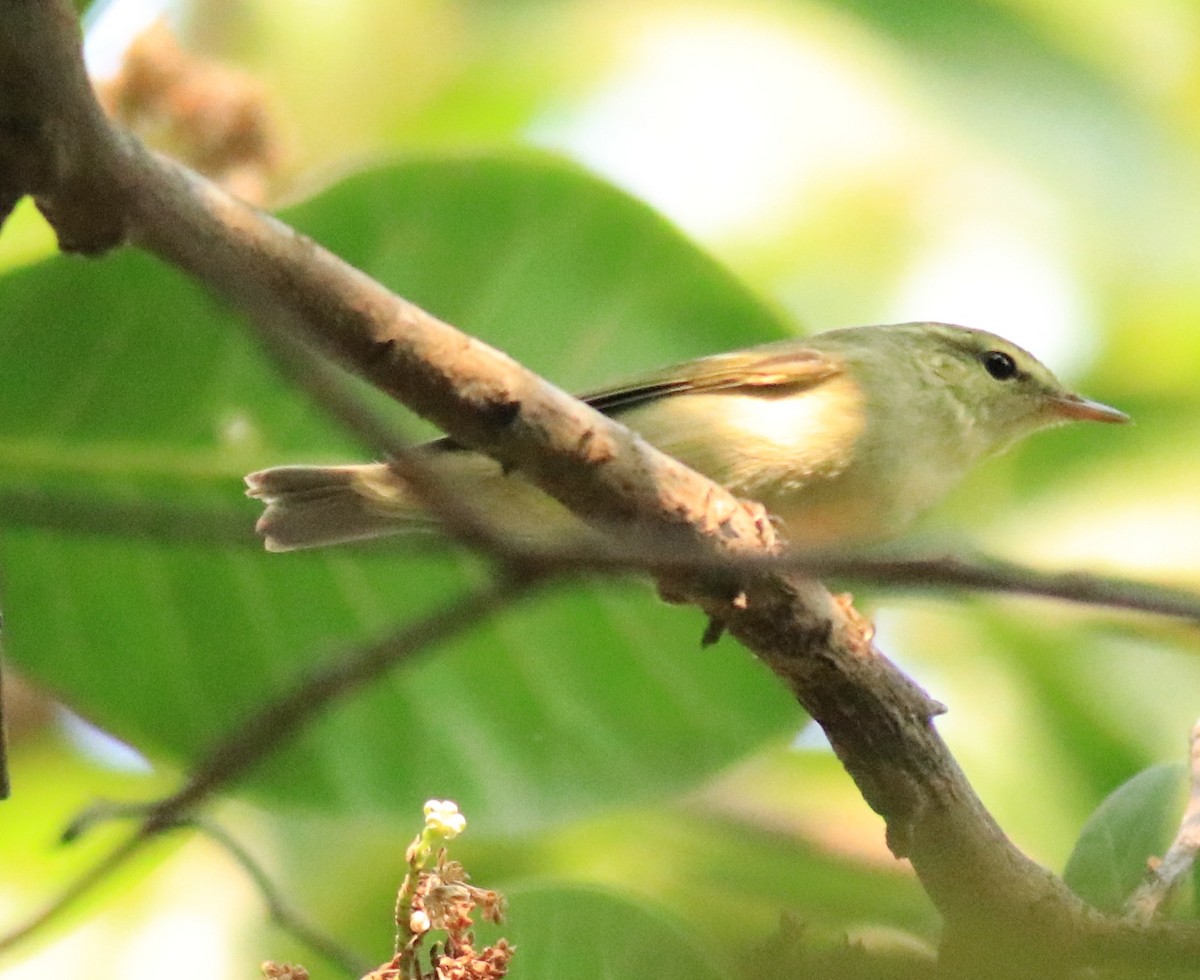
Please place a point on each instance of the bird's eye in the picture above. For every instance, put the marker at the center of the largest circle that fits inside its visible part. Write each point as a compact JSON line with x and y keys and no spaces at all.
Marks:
{"x":999,"y":365}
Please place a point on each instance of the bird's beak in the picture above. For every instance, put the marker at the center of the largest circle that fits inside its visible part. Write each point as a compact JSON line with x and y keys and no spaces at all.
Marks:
{"x":1083,"y":410}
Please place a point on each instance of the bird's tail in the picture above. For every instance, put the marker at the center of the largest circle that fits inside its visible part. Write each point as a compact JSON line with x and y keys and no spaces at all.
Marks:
{"x":308,"y":506}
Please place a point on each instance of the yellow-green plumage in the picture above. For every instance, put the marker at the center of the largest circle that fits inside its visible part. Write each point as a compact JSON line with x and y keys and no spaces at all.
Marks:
{"x":845,"y":436}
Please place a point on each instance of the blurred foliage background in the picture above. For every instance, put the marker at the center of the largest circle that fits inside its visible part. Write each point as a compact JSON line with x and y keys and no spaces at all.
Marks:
{"x":600,"y":186}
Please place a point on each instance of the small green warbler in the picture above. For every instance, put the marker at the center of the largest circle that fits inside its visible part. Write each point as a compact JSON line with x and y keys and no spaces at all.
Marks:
{"x":845,"y":437}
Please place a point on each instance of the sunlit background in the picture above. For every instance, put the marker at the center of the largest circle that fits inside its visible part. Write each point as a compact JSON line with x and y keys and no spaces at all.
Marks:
{"x":1025,"y":167}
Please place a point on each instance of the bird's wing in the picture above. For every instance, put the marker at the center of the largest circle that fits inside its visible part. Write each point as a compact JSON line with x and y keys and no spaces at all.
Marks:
{"x":769,"y":370}
{"x":772,"y":369}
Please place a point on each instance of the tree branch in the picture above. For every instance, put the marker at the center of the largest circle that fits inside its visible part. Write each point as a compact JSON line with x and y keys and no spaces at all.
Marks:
{"x":55,"y":143}
{"x":95,"y":185}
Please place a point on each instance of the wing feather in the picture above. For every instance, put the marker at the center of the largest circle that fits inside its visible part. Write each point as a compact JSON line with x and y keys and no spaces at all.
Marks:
{"x":771,"y":369}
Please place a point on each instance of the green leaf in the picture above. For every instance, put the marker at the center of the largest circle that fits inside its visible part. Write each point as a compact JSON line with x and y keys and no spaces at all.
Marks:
{"x":1136,"y":822}
{"x":586,"y":932}
{"x":131,"y":404}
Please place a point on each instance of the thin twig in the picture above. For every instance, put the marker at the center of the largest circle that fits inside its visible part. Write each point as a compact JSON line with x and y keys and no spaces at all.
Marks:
{"x":992,"y":575}
{"x":909,"y":570}
{"x":267,"y":730}
{"x":284,"y":917}
{"x":104,"y":868}
{"x":282,"y":717}
{"x":1163,"y":876}
{"x":615,"y":552}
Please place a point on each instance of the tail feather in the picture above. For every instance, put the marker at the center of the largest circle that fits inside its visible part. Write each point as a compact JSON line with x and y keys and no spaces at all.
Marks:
{"x":308,"y":506}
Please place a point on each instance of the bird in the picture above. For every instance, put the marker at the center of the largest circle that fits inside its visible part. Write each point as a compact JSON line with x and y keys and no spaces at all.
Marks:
{"x":845,"y":437}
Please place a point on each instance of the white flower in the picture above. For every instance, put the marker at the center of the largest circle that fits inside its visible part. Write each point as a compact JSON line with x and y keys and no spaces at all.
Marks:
{"x":443,"y":817}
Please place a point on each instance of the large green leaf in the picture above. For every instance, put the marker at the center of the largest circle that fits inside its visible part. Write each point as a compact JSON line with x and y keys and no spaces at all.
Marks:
{"x":583,"y":932}
{"x":131,"y":403}
{"x":1136,"y":823}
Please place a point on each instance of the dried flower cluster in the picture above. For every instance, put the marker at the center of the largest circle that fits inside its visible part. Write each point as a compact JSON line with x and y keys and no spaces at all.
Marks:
{"x":213,"y":118}
{"x":486,"y":964}
{"x":441,"y":897}
{"x":283,"y":971}
{"x":444,"y":899}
